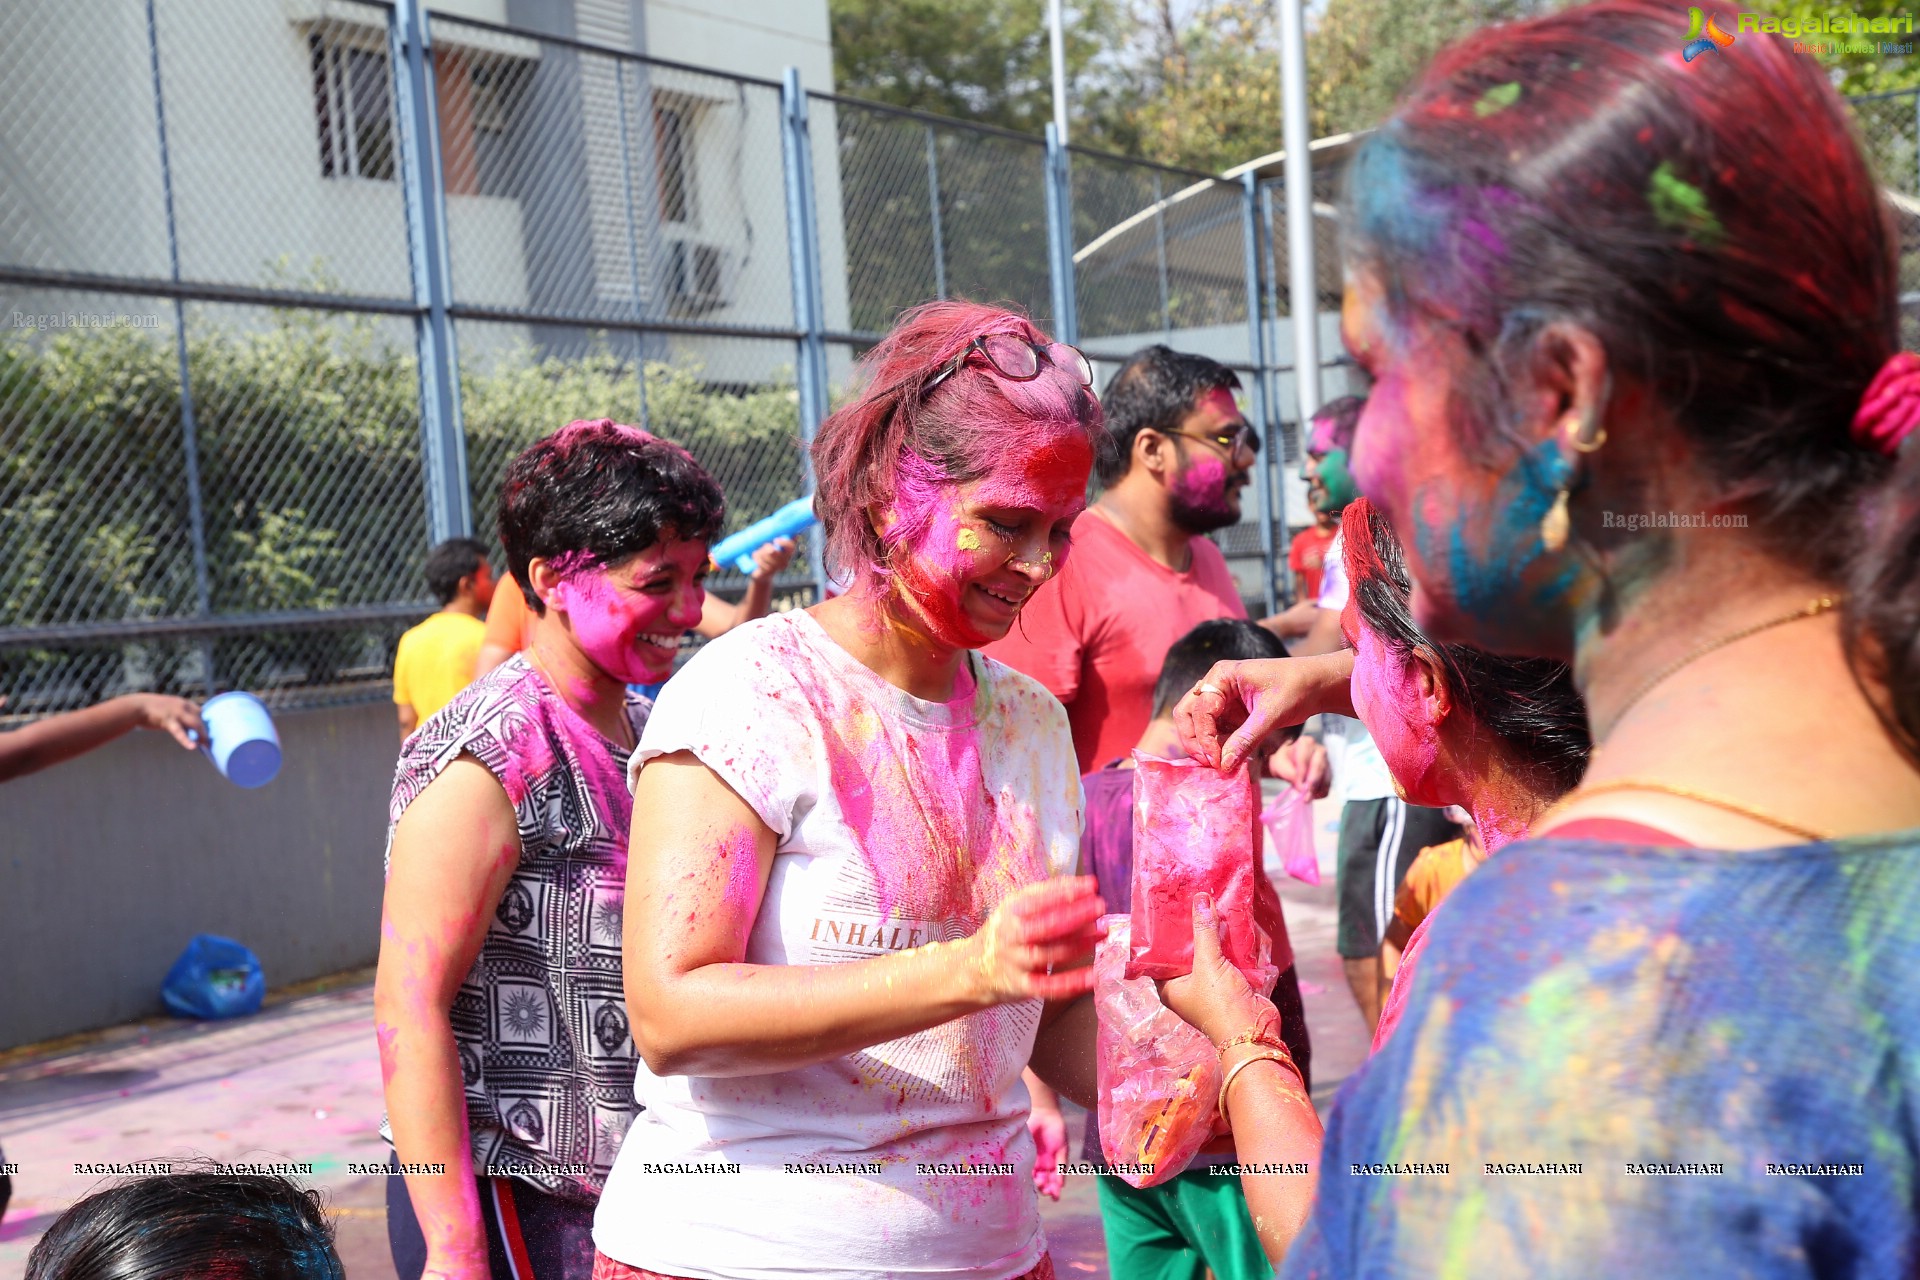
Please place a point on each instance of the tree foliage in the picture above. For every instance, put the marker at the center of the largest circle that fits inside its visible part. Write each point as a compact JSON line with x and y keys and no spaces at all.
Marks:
{"x":1194,"y":83}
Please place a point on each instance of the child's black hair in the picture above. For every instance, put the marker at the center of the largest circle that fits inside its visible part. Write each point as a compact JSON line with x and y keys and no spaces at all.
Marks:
{"x":1193,"y":655}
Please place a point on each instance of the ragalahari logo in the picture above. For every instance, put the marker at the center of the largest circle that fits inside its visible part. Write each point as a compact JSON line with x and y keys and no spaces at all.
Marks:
{"x":1703,"y":34}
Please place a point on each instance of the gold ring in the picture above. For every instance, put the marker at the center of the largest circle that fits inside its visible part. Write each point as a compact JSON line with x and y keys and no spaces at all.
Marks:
{"x":1204,"y":687}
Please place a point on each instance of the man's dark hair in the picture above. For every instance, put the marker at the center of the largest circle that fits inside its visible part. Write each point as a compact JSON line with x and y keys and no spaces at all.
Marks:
{"x":595,"y":493}
{"x":190,"y":1226}
{"x":1155,"y":390}
{"x":1193,"y":655}
{"x":452,"y":560}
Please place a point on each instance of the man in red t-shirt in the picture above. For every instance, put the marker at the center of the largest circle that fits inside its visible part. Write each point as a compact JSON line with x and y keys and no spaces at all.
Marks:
{"x":1140,"y":576}
{"x":1307,"y":553}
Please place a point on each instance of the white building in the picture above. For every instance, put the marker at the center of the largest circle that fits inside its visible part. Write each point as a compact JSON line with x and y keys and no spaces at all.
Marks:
{"x":578,"y":184}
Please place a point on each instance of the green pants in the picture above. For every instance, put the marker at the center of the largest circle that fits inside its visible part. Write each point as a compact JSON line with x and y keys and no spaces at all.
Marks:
{"x":1193,"y":1221}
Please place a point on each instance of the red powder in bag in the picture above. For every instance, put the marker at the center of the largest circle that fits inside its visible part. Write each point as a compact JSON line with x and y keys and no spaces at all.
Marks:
{"x":1194,"y":831}
{"x":1159,"y":1078}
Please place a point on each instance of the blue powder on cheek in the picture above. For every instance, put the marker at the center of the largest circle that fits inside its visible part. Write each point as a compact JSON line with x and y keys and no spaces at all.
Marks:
{"x":1494,"y":578}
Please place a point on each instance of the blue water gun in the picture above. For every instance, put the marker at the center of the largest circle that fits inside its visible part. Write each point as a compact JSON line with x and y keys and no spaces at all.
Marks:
{"x":737,"y":549}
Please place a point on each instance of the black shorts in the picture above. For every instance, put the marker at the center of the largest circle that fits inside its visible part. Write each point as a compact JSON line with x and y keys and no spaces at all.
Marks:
{"x":530,"y":1232}
{"x":1379,"y":840}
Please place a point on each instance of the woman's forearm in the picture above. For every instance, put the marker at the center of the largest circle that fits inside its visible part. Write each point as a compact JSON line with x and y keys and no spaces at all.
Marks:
{"x":427,"y":1111}
{"x":753,"y":1019}
{"x":1273,"y":1123}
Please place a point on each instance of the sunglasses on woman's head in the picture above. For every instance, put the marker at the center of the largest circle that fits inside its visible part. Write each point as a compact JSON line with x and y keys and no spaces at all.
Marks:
{"x":1017,"y":360}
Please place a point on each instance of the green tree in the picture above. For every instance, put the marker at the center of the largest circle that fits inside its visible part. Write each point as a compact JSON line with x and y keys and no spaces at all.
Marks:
{"x":1860,"y":70}
{"x":983,"y":60}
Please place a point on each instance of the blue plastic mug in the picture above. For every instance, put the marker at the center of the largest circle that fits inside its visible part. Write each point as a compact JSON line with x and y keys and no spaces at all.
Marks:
{"x":241,"y":740}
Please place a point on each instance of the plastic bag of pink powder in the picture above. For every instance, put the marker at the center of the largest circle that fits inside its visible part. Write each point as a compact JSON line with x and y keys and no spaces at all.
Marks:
{"x":1159,"y":1077}
{"x":1288,"y":819}
{"x":1193,"y":832}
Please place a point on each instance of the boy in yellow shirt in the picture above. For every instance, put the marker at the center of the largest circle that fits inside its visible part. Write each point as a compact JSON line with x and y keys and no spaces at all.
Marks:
{"x":435,"y":659}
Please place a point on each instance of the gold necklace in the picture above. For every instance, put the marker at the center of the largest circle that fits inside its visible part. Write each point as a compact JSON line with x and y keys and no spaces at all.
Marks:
{"x":1685,"y":793}
{"x":1813,"y":608}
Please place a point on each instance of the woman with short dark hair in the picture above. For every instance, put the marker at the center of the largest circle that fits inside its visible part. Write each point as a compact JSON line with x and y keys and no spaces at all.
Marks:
{"x":503,"y":1032}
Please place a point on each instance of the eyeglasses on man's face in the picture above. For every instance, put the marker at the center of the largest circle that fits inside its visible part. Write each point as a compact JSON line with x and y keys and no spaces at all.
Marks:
{"x":1228,"y":440}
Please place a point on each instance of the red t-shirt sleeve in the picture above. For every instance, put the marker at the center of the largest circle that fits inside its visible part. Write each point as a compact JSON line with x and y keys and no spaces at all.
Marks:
{"x":1047,"y":640}
{"x":1297,"y":553}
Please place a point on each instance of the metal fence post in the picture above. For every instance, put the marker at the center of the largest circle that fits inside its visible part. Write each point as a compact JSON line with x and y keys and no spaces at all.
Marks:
{"x":809,"y":308}
{"x":442,"y":440}
{"x":1270,"y":509}
{"x":1059,"y":184}
{"x":933,"y":207}
{"x":189,"y":425}
{"x":633,"y":249}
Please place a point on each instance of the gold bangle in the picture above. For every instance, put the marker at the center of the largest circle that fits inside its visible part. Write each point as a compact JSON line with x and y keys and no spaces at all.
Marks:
{"x":1266,"y":1031}
{"x":1233,"y":1072}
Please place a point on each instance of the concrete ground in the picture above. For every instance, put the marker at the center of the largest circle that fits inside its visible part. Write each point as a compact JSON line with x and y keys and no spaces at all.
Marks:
{"x":299,"y":1082}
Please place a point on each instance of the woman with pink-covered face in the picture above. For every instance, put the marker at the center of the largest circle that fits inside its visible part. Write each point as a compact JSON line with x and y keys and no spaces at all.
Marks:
{"x":503,"y":1034}
{"x":854,"y":920}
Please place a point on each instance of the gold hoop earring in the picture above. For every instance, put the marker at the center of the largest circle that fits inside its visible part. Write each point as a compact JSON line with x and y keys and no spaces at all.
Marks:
{"x":1557,"y":524}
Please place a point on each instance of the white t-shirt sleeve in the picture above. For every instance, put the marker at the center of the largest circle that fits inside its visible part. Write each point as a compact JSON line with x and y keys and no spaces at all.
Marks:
{"x":720,"y":707}
{"x":1333,"y":579}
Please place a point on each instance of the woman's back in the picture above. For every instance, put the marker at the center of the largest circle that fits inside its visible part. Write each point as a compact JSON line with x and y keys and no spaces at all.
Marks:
{"x":1725,"y":1046}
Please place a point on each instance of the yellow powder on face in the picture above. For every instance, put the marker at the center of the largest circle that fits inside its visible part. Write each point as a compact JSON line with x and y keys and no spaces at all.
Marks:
{"x":968,"y":541}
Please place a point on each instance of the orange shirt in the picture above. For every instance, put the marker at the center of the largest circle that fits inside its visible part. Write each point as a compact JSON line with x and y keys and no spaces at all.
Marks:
{"x":509,"y":621}
{"x":1430,"y":878}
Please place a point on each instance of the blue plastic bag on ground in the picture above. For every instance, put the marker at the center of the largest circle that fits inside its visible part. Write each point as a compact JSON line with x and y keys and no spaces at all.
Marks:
{"x":214,"y":978}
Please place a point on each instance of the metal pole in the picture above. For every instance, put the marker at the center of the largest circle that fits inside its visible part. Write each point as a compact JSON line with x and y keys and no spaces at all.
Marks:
{"x":633,"y":247}
{"x":803,"y":252}
{"x":1299,"y":171}
{"x":933,"y":205}
{"x":189,"y":425}
{"x":1059,"y":185}
{"x":442,"y":439}
{"x":1257,"y":354}
{"x":1057,"y":38}
{"x":1160,"y":248}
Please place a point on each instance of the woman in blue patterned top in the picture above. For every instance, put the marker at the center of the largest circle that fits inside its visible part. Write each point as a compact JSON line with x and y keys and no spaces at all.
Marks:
{"x":1633,"y":314}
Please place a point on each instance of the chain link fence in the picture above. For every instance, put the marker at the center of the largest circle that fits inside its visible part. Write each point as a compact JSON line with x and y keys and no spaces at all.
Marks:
{"x":284,"y":288}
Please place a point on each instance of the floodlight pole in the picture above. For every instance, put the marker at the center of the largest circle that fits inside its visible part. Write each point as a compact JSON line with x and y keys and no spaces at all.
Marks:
{"x":1301,"y":293}
{"x":1058,"y":39}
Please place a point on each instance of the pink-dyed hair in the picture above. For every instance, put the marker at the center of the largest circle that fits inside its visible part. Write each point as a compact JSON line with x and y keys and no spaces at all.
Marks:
{"x":893,"y":447}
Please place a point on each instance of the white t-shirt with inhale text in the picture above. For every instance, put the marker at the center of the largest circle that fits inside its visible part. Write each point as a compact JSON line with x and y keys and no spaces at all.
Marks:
{"x":899,"y":822}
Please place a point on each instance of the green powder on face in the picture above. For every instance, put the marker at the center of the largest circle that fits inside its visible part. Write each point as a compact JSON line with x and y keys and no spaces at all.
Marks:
{"x":1498,"y":98}
{"x":1681,"y":206}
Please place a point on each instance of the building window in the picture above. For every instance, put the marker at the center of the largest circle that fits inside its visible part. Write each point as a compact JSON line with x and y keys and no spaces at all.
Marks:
{"x":673,"y":155}
{"x":352,"y":108}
